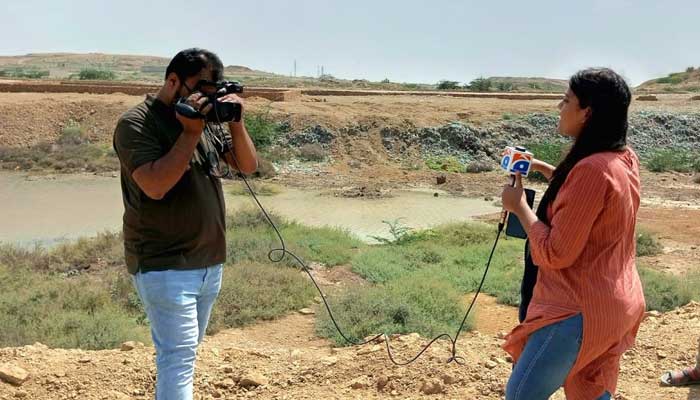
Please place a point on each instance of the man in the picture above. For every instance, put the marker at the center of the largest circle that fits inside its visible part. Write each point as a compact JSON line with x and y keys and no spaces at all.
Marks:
{"x":685,"y":376}
{"x":174,"y":218}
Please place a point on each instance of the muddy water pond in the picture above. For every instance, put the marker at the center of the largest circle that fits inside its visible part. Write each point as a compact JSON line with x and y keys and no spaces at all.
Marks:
{"x":47,"y":210}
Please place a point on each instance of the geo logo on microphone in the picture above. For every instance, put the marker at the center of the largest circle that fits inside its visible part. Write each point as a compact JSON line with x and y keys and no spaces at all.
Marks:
{"x":516,"y":159}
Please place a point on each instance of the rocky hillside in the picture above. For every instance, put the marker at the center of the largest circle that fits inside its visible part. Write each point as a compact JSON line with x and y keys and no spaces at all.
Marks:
{"x":687,"y":81}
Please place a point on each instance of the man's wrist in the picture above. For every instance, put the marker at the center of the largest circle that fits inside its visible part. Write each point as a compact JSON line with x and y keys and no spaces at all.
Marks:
{"x":236,"y":128}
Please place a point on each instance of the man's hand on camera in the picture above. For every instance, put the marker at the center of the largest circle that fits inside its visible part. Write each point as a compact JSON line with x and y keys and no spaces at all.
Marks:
{"x":194,"y":126}
{"x":234,"y":98}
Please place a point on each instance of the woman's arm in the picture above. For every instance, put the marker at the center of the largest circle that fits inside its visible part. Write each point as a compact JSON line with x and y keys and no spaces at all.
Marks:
{"x":576,"y":209}
{"x":543,"y":168}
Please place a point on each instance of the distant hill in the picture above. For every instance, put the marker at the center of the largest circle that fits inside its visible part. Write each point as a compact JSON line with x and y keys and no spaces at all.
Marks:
{"x":688,"y":81}
{"x":124,"y":66}
{"x":137,"y":68}
{"x":522,"y":84}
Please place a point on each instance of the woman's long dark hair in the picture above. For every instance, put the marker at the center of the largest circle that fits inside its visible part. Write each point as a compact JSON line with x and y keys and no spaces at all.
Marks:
{"x":608,"y":96}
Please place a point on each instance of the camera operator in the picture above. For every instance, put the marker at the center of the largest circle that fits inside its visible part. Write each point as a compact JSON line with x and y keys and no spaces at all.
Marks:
{"x":174,"y":218}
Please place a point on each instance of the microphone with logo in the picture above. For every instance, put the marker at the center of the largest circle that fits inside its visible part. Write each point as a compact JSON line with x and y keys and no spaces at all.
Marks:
{"x":515,"y":160}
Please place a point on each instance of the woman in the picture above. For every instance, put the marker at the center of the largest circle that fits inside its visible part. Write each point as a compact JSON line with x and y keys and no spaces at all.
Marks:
{"x":587,"y":302}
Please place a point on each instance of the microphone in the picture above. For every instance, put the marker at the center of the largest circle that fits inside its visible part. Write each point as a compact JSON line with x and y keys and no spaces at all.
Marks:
{"x":513,"y":160}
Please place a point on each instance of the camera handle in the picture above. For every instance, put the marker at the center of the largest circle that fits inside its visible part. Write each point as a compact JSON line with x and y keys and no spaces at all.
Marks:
{"x":187,"y":110}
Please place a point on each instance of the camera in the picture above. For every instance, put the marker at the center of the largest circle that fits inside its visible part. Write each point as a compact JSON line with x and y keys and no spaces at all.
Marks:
{"x":220,"y":112}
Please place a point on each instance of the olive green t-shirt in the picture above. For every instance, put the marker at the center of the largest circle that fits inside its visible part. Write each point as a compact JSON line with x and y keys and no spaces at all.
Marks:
{"x":183,"y":230}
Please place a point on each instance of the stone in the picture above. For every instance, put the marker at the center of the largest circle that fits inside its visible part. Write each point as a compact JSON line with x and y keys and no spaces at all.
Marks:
{"x":432,"y":386}
{"x":128,"y":346}
{"x":226,"y":383}
{"x":307,"y":311}
{"x":13,"y":374}
{"x":359,"y":383}
{"x":252,"y":380}
{"x":382,"y":381}
{"x":490,"y":364}
{"x":448,"y":379}
{"x":441,"y":179}
{"x":328,"y":361}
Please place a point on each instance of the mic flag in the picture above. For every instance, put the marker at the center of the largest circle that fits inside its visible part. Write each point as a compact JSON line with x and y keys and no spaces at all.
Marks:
{"x":516,"y":159}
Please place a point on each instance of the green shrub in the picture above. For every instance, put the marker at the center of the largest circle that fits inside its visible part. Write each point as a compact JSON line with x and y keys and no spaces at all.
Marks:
{"x":250,"y":239}
{"x":664,"y":292}
{"x":62,"y":312}
{"x":673,"y":159}
{"x":449,"y":164}
{"x":96,"y":74}
{"x":252,"y":292}
{"x":480,"y":85}
{"x":30,"y":73}
{"x":549,"y":151}
{"x":263,"y":130}
{"x":647,"y":244}
{"x":429,"y":307}
{"x":454,"y":253}
{"x":505,"y":86}
{"x":72,"y":135}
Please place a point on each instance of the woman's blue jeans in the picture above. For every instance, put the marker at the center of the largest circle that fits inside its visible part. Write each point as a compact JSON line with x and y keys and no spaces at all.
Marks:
{"x":549,"y":355}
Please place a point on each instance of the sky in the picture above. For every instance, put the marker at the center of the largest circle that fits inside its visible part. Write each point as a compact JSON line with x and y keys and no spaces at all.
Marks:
{"x":403,"y":41}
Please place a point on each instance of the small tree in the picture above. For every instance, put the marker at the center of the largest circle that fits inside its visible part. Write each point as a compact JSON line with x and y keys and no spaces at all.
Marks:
{"x":505,"y":86}
{"x":480,"y":84}
{"x":448,"y":85}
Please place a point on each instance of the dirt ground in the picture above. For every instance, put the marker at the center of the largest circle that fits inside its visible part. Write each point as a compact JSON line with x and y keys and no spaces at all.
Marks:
{"x":285,"y":357}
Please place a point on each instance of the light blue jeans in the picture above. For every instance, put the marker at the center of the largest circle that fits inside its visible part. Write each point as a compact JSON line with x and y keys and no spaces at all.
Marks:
{"x":549,"y":355}
{"x":178,"y":304}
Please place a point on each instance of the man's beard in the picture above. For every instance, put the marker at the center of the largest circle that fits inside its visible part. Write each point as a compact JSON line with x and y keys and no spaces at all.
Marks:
{"x":178,"y":95}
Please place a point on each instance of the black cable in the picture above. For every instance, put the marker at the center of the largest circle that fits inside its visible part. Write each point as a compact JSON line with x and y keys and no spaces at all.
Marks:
{"x":283,"y":251}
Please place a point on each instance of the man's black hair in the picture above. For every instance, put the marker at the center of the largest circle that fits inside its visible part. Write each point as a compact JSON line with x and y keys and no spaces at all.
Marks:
{"x":190,"y":62}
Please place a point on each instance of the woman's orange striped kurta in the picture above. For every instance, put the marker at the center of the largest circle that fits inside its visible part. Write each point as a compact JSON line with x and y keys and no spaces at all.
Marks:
{"x":587,"y":265}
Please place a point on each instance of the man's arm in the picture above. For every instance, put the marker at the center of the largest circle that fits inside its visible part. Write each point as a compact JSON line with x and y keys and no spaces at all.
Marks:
{"x":156,"y":178}
{"x":246,"y":157}
{"x":243,"y":148}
